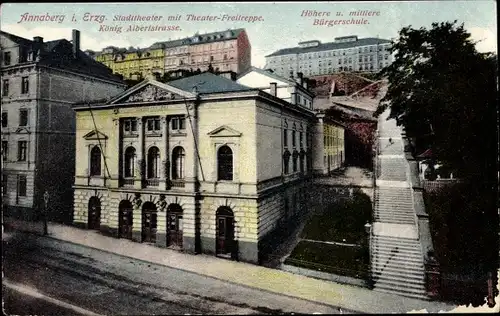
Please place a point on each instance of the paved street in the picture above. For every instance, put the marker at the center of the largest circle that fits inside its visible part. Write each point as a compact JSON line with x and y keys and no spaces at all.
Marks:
{"x":105,"y":283}
{"x":18,"y":303}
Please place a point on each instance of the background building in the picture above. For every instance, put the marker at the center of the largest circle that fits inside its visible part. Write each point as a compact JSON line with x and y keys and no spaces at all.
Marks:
{"x":228,"y":50}
{"x":344,"y":54}
{"x":185,"y":166}
{"x":40,"y":81}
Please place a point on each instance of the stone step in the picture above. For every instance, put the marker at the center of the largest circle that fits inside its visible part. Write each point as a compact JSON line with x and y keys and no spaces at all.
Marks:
{"x":383,"y":218}
{"x":400,"y":274}
{"x":396,"y":242}
{"x":394,"y":208}
{"x":398,"y":257}
{"x":401,"y":253}
{"x":394,"y":221}
{"x":398,"y":269}
{"x":413,"y":252}
{"x":394,"y":215}
{"x":410,"y":287}
{"x":413,"y":282}
{"x":397,"y":266}
{"x":400,"y":245}
{"x":400,"y":291}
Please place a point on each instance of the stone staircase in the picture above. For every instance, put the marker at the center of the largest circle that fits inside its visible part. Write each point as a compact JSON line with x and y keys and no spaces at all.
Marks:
{"x":394,"y":205}
{"x":396,"y":254}
{"x":398,"y":266}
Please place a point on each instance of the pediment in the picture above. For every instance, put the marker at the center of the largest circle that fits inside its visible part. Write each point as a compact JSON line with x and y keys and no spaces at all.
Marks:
{"x":150,"y":91}
{"x":22,"y":130}
{"x":95,"y":135}
{"x":224,"y":131}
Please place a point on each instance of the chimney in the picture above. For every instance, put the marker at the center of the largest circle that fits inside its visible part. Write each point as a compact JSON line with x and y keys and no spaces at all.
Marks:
{"x":301,"y":78}
{"x":37,"y":47}
{"x":305,"y":83}
{"x":273,"y":88}
{"x":231,"y":75}
{"x":76,"y":43}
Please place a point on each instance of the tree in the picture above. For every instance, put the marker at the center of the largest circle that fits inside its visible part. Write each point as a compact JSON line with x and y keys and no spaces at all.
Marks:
{"x":444,"y":94}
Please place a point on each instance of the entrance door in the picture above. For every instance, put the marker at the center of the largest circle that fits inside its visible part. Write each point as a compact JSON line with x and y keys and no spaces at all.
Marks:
{"x":149,"y":222}
{"x":225,"y":231}
{"x":94,"y":212}
{"x":125,"y":219}
{"x":174,"y":226}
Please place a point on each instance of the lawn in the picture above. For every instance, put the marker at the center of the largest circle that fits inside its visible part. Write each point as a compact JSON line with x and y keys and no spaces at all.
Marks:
{"x":341,"y":260}
{"x":343,"y":222}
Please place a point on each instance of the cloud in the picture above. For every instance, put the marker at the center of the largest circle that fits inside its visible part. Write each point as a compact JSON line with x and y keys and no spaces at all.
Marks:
{"x":486,"y":39}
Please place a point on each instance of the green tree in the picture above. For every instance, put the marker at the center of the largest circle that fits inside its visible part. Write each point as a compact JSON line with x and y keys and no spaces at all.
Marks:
{"x":444,"y":94}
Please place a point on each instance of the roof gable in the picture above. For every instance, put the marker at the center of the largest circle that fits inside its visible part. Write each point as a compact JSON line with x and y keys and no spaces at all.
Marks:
{"x":264,"y":77}
{"x":95,"y":135}
{"x":224,"y":131}
{"x":150,"y":90}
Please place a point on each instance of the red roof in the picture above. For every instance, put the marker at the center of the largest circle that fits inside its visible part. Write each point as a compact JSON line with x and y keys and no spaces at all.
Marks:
{"x":426,"y":154}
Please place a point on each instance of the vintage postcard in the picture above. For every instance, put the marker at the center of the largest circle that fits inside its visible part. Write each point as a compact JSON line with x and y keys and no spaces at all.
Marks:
{"x":249,"y":158}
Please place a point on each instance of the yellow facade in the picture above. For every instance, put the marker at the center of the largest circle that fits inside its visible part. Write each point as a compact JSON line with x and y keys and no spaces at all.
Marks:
{"x":136,"y":64}
{"x":334,"y":145}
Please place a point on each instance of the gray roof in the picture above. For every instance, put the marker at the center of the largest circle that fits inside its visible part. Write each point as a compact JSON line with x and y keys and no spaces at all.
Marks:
{"x":204,"y":38}
{"x":269,"y":74}
{"x":208,"y":83}
{"x":330,"y":46}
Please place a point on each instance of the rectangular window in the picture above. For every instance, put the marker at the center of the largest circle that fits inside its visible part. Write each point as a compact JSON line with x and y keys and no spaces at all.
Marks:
{"x":4,"y":119}
{"x":23,"y":117}
{"x":22,"y":148}
{"x":5,"y":150}
{"x":4,"y":183}
{"x":25,"y":85}
{"x":285,"y":137}
{"x":301,"y":139}
{"x":153,"y":124}
{"x":294,"y":139}
{"x":178,"y":123}
{"x":6,"y":58}
{"x":5,"y":87}
{"x":21,"y":185}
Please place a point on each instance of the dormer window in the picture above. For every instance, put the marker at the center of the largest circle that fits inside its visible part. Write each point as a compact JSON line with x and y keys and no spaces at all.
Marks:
{"x":6,"y":58}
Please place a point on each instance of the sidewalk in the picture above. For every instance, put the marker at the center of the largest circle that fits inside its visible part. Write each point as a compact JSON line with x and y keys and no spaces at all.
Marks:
{"x":271,"y":280}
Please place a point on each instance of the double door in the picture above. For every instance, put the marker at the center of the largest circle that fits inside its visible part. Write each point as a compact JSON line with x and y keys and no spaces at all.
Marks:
{"x":174,"y":230}
{"x":125,"y":223}
{"x":225,"y":235}
{"x":149,"y":224}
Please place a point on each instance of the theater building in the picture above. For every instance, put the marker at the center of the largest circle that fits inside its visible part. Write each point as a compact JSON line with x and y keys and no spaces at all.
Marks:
{"x":201,"y":164}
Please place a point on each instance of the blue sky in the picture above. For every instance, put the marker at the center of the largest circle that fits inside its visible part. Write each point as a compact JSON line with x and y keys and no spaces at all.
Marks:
{"x":283,"y":26}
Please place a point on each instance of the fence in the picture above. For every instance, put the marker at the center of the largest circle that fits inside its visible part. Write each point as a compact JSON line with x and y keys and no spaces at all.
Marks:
{"x":437,"y":185}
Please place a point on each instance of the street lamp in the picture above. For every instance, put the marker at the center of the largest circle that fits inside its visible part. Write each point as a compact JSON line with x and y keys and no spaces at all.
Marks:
{"x":46,"y":200}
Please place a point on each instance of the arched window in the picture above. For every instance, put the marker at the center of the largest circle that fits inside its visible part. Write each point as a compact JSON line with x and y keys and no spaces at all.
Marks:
{"x":225,"y":163}
{"x":129,"y":162}
{"x":95,"y":161}
{"x":294,"y":161}
{"x":153,"y":162}
{"x":178,"y":156}
{"x":286,"y":162}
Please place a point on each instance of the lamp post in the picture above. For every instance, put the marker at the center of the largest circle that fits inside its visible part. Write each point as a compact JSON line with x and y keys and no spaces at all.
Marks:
{"x":46,"y":200}
{"x":368,"y":230}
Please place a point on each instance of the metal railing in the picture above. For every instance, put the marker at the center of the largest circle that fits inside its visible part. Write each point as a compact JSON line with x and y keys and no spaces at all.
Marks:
{"x":152,"y":182}
{"x":178,"y":183}
{"x":128,"y":181}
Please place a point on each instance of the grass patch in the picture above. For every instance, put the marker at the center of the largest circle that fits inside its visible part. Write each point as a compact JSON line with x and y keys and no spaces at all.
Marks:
{"x":342,"y":221}
{"x":341,"y":260}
